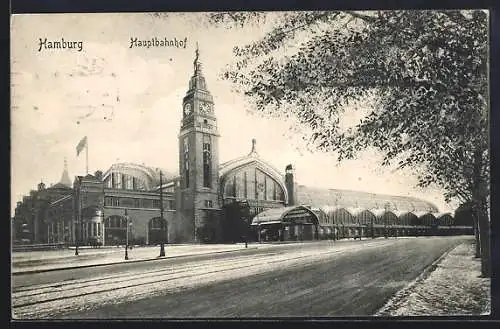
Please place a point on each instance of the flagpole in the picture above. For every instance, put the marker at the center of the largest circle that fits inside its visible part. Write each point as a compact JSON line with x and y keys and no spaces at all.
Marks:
{"x":87,"y":157}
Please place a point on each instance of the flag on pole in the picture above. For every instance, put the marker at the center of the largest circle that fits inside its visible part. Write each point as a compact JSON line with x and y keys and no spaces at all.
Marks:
{"x":81,"y":145}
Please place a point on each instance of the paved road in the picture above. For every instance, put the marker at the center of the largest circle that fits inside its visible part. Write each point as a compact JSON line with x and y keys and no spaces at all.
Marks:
{"x":316,"y":279}
{"x":35,"y":261}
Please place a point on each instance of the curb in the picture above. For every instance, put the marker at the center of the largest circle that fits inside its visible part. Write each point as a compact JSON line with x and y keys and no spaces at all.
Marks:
{"x":123,"y":262}
{"x":113,"y":250}
{"x":56,"y":259}
{"x":398,"y":296}
{"x":256,"y":246}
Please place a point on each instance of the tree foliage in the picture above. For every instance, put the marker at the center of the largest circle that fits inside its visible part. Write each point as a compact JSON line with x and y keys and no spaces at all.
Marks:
{"x":425,"y":74}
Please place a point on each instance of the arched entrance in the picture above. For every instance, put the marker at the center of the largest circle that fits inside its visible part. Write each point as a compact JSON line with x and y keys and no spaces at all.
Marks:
{"x":297,"y":223}
{"x":115,"y":230}
{"x":156,"y":232}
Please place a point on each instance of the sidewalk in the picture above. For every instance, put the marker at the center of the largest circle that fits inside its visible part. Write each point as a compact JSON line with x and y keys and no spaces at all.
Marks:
{"x":39,"y":261}
{"x":43,"y":260}
{"x":453,"y":288}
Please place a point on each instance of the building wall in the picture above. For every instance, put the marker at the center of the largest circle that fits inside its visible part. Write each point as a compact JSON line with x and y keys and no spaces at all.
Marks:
{"x":60,"y":221}
{"x":140,"y":219}
{"x":34,"y":211}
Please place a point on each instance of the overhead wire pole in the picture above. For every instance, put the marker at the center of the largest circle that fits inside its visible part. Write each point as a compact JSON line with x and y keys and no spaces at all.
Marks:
{"x":103,"y":232}
{"x":162,"y":243}
{"x":79,"y":216}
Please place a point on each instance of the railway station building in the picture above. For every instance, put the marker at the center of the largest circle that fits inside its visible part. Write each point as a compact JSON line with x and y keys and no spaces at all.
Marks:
{"x":208,"y":201}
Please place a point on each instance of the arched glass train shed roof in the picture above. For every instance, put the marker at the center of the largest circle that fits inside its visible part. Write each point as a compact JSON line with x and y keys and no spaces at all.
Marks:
{"x":286,"y":215}
{"x":319,"y":198}
{"x":349,"y":215}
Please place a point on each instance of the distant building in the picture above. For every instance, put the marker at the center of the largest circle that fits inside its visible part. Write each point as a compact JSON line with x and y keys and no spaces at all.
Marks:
{"x":206,"y":201}
{"x":33,"y":216}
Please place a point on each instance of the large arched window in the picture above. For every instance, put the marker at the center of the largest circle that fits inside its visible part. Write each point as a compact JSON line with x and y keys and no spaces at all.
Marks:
{"x":129,"y":185}
{"x":207,"y":161}
{"x":260,"y":186}
{"x":186,"y":161}
{"x":240,"y":185}
{"x":244,"y":184}
{"x":117,"y":180}
{"x":269,"y":184}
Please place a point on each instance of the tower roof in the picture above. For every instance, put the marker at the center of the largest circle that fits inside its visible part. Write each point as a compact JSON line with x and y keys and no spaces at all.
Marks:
{"x":65,"y":180}
{"x":196,"y":62}
{"x":197,"y":81}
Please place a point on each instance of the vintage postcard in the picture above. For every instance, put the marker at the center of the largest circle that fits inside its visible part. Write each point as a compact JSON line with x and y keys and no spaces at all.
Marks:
{"x":250,"y":165}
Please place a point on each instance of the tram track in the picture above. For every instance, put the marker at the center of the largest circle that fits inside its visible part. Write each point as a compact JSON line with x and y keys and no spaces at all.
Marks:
{"x":43,"y":300}
{"x":49,"y":289}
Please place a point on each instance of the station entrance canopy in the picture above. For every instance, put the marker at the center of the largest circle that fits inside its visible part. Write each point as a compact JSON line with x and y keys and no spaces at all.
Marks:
{"x":295,"y":215}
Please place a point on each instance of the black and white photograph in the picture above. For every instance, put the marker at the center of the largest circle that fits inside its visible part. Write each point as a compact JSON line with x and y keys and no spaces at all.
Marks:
{"x":250,"y":165}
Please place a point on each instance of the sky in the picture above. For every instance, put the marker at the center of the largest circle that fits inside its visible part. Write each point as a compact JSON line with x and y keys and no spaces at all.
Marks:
{"x":128,"y":102}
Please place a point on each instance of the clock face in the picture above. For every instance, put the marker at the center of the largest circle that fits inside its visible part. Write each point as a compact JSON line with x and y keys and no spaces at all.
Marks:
{"x":205,"y":107}
{"x":187,"y":109}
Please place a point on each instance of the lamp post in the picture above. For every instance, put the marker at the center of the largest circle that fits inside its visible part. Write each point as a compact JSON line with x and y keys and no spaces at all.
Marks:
{"x":79,"y":219}
{"x":246,"y":232}
{"x":103,"y":231}
{"x":245,"y":221}
{"x":162,"y":242}
{"x":126,"y":235}
{"x":76,"y":238}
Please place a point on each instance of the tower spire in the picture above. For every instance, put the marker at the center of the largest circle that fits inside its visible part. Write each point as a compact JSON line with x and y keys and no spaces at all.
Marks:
{"x":65,"y":176}
{"x":197,"y":81}
{"x":197,"y":63}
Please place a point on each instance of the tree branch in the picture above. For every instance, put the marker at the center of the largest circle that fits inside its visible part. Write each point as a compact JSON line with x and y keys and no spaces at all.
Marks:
{"x":366,"y":18}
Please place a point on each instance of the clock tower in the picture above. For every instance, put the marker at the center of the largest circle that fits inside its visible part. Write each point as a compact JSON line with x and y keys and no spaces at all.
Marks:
{"x":199,"y":161}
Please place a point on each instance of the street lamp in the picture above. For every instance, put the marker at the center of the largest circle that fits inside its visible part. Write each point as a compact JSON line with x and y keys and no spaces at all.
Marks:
{"x":79,"y":218}
{"x":126,"y":235}
{"x":245,"y":232}
{"x":76,"y":237}
{"x":162,"y":242}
